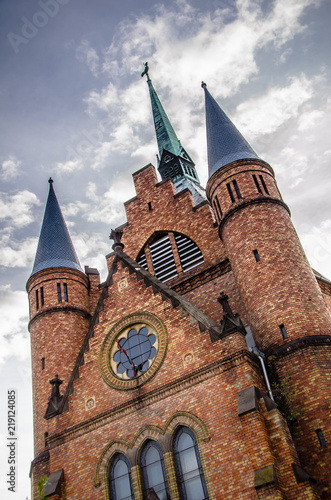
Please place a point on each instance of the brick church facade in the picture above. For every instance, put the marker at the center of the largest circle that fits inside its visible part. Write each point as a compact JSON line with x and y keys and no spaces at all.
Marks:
{"x":200,"y":369}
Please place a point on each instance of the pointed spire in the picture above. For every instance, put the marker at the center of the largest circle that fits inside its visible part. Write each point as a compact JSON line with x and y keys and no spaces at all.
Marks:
{"x":225,"y":143}
{"x":165,"y":134}
{"x":173,"y":161}
{"x":55,"y":248}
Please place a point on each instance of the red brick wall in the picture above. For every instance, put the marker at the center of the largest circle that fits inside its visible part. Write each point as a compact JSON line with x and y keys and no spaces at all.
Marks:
{"x":57,"y":330}
{"x":281,"y":288}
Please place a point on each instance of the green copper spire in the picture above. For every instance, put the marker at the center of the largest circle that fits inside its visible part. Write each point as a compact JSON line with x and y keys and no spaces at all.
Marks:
{"x":165,"y":134}
{"x":173,"y":160}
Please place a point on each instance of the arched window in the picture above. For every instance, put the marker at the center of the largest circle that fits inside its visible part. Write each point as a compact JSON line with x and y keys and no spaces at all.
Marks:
{"x":189,"y":471}
{"x":153,"y":470}
{"x":120,"y":482}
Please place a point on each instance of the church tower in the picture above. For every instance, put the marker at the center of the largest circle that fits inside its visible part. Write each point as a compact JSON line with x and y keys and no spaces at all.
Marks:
{"x":58,"y":292}
{"x":285,"y":308}
{"x":144,"y":386}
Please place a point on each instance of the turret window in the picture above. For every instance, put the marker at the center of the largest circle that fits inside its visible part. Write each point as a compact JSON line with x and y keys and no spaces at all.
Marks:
{"x":171,"y":253}
{"x":258,"y":187}
{"x":283,"y":331}
{"x":37,"y":299}
{"x":218,"y":206}
{"x":59,"y":295}
{"x":264,"y":184}
{"x":231,"y":193}
{"x":42,"y":296}
{"x":235,"y":184}
{"x":65,"y":292}
{"x":256,"y":255}
{"x":321,"y":438}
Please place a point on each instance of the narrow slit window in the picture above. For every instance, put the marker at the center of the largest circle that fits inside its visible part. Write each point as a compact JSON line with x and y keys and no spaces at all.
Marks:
{"x":65,"y":292}
{"x":231,"y":193}
{"x":59,"y":295}
{"x":43,"y":363}
{"x":42,"y":296}
{"x":256,"y":255}
{"x":45,"y":438}
{"x":258,"y":187}
{"x":149,"y":206}
{"x":216,"y":211}
{"x":219,"y":206}
{"x":321,"y":438}
{"x":37,"y":300}
{"x":235,"y":184}
{"x":264,"y":184}
{"x":283,"y":331}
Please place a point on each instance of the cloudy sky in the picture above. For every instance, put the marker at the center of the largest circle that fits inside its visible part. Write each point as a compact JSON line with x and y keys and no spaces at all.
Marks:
{"x":74,"y":107}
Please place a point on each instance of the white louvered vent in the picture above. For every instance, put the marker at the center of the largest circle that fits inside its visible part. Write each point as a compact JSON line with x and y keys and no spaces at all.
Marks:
{"x":142,"y":261}
{"x":163,"y":259}
{"x":189,"y":253}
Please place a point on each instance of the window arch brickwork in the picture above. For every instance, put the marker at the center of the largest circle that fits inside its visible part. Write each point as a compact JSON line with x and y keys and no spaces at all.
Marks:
{"x":132,"y":450}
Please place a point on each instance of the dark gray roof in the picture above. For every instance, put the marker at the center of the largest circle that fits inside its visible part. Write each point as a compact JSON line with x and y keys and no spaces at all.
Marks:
{"x":55,"y":248}
{"x":225,"y":143}
{"x":198,"y":193}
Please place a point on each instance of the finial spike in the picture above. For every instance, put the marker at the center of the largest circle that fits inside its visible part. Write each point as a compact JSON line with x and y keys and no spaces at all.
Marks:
{"x":203,"y":85}
{"x":50,"y":180}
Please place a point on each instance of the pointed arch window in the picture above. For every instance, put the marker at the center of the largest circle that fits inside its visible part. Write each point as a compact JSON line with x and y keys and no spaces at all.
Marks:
{"x":120,"y":482}
{"x":188,"y":465}
{"x":153,"y":470}
{"x":165,"y":250}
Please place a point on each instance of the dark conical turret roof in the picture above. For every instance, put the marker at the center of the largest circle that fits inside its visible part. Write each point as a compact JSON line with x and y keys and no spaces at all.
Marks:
{"x":225,"y":143}
{"x":55,"y":248}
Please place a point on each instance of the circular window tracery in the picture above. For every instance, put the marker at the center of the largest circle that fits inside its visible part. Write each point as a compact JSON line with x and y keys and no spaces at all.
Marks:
{"x":133,"y":351}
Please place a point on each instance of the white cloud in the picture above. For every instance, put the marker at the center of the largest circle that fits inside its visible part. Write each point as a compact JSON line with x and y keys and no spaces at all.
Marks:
{"x":17,"y":209}
{"x":316,"y":242}
{"x":14,"y":312}
{"x":92,"y":249}
{"x":85,"y":53}
{"x":265,"y":114}
{"x":15,"y":253}
{"x":10,"y":168}
{"x":69,"y":166}
{"x":183,"y":42}
{"x":309,"y":119}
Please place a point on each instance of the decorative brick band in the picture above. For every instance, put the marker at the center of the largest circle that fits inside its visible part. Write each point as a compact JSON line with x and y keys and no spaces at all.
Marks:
{"x":204,"y":277}
{"x":246,"y":203}
{"x":45,"y":312}
{"x":205,"y":373}
{"x":220,"y":173}
{"x":310,"y":340}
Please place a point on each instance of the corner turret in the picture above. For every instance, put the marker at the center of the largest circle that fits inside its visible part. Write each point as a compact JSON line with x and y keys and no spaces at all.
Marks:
{"x":59,"y":303}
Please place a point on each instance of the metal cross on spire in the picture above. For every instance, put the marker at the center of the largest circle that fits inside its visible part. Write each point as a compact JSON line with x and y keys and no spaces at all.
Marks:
{"x":145,"y":72}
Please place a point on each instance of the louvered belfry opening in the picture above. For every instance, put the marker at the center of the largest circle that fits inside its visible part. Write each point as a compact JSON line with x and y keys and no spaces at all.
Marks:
{"x":164,"y":255}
